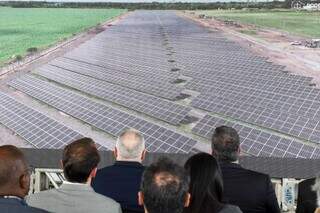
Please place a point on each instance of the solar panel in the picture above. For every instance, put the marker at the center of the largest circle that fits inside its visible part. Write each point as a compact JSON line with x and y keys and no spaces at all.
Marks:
{"x":291,"y":124}
{"x":258,"y":142}
{"x":153,"y":106}
{"x":138,"y":60}
{"x":293,"y":105}
{"x":36,"y":128}
{"x":245,"y":77}
{"x":157,"y":88}
{"x":106,"y":118}
{"x":274,"y":87}
{"x":118,"y":67}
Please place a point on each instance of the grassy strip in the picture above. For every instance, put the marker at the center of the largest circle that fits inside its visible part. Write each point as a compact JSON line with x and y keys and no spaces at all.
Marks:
{"x":302,"y":23}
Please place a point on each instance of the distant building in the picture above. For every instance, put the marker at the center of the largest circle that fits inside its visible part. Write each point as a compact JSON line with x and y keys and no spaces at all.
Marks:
{"x":297,"y":4}
{"x":305,"y":5}
{"x":312,"y":6}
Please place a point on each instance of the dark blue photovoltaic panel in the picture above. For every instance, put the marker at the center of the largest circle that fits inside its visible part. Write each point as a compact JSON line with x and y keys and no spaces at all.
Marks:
{"x":108,"y":119}
{"x":156,"y":107}
{"x":36,"y":128}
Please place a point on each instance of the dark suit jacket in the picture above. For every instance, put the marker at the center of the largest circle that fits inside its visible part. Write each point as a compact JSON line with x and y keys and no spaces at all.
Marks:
{"x":251,"y":191}
{"x":12,"y":205}
{"x":308,"y":206}
{"x":121,"y":182}
{"x":307,"y":199}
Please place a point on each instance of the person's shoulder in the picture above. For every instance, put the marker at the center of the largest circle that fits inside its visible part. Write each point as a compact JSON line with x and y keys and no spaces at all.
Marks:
{"x":243,"y":171}
{"x":120,"y":167}
{"x":257,"y":174}
{"x":36,"y":210}
{"x":307,"y":182}
{"x":27,"y":209}
{"x":309,"y":204}
{"x":106,"y":168}
{"x":37,"y":197}
{"x":230,"y":209}
{"x":13,"y":206}
{"x":254,"y":174}
{"x":104,"y":200}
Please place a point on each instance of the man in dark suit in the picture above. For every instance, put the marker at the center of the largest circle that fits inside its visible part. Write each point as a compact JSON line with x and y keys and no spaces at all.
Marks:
{"x":251,"y":191}
{"x":14,"y":181}
{"x":307,"y":198}
{"x":122,"y":180}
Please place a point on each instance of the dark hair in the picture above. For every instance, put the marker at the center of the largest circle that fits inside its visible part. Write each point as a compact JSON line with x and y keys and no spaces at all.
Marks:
{"x":206,"y":186}
{"x":79,"y":159}
{"x":225,"y":143}
{"x":165,"y":187}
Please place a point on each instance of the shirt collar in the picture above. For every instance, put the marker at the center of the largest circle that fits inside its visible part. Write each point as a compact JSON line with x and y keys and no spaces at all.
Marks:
{"x":72,"y":183}
{"x":230,"y":164}
{"x":75,"y":187}
{"x":13,"y":200}
{"x":11,"y":197}
{"x":128,"y":163}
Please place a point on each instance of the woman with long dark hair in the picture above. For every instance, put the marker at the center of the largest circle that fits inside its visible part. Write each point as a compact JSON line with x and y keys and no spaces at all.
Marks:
{"x":206,"y":186}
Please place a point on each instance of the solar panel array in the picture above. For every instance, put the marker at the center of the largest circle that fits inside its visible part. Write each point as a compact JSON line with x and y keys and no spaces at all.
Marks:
{"x":139,"y":83}
{"x":106,"y":118}
{"x":273,"y":118}
{"x":159,"y":108}
{"x":242,"y":89}
{"x":137,"y":63}
{"x":36,"y":128}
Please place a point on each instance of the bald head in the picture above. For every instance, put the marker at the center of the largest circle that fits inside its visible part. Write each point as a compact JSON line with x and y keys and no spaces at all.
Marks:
{"x":14,"y":177}
{"x":162,"y":179}
{"x":130,"y":145}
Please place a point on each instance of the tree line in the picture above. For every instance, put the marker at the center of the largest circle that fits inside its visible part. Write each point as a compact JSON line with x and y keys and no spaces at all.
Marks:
{"x":151,"y":5}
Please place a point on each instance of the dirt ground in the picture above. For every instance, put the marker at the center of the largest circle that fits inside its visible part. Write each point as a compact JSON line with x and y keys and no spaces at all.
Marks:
{"x":274,"y":44}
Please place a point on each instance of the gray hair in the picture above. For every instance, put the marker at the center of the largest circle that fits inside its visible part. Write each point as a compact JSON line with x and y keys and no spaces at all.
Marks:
{"x":316,"y":188}
{"x":130,"y":151}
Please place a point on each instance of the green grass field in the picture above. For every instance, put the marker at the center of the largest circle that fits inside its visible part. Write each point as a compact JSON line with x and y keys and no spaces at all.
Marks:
{"x":21,"y":29}
{"x":297,"y":22}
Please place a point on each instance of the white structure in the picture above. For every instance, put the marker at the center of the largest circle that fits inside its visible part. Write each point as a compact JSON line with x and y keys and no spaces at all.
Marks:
{"x":312,"y":6}
{"x":297,"y":5}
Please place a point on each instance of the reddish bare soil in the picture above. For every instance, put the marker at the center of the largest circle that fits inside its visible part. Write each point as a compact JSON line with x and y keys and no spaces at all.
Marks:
{"x":274,"y":44}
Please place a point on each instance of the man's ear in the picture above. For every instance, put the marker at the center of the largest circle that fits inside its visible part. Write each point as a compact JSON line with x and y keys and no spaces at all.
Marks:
{"x":140,"y":198}
{"x":143,"y":155}
{"x":115,"y":152}
{"x":24,"y":182}
{"x":214,"y":153}
{"x":187,"y":201}
{"x":93,"y":173}
{"x":239,"y":151}
{"x":61,"y":164}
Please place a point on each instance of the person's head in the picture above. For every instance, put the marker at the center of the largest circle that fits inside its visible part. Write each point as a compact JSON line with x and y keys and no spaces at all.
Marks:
{"x":14,"y":172}
{"x":225,"y":144}
{"x":206,"y":185}
{"x":80,"y":160}
{"x":164,"y":188}
{"x":316,"y":188}
{"x":130,"y":146}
